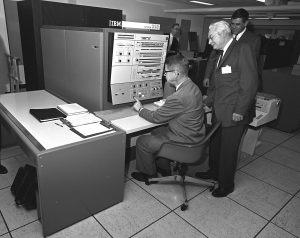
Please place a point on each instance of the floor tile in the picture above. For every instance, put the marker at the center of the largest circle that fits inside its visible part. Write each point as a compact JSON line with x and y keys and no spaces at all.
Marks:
{"x":170,"y":226}
{"x":285,"y":156}
{"x":298,"y":194}
{"x":13,"y":215}
{"x":297,"y":135}
{"x":12,"y":166}
{"x":263,"y":147}
{"x":138,"y":210}
{"x":88,"y":228}
{"x":5,"y":236}
{"x":221,"y":217}
{"x":289,"y":217}
{"x":171,"y":194}
{"x":10,"y":152}
{"x":274,"y":136}
{"x":275,"y":174}
{"x":257,"y":196}
{"x":3,"y":228}
{"x":293,"y":143}
{"x":245,"y":159}
{"x":272,"y":231}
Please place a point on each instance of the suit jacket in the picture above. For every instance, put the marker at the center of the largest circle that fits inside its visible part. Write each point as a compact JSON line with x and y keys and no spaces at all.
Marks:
{"x":253,"y":40}
{"x":183,"y":110}
{"x":248,"y":37}
{"x":234,"y":91}
{"x":211,"y":63}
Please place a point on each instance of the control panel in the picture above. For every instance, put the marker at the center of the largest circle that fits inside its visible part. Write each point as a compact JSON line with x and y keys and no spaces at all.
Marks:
{"x":137,"y":66}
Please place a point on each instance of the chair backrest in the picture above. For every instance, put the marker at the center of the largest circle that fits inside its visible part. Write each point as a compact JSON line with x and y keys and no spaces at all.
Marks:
{"x":186,"y":152}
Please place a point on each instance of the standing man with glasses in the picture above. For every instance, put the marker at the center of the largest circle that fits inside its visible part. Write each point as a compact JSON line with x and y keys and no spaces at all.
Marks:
{"x":231,"y":95}
{"x":182,"y":111}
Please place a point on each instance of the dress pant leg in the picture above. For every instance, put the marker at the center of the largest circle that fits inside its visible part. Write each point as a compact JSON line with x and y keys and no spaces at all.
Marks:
{"x":214,"y":152}
{"x":146,"y":148}
{"x":230,"y":141}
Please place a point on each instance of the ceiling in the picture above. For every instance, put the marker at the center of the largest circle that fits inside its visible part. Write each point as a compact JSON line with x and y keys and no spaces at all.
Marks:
{"x":224,"y":8}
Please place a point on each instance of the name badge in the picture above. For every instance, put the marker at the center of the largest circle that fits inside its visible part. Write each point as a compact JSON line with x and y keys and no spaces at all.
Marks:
{"x":226,"y":69}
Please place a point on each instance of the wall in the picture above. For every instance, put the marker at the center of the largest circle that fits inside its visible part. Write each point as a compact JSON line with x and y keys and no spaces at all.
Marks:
{"x":4,"y":50}
{"x":257,"y":24}
{"x":135,"y":10}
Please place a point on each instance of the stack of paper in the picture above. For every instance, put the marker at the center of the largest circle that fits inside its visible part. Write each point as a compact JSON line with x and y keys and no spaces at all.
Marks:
{"x":81,"y":119}
{"x":71,"y":109}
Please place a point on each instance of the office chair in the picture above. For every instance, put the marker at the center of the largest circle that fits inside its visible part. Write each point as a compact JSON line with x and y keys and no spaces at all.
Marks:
{"x":182,"y":155}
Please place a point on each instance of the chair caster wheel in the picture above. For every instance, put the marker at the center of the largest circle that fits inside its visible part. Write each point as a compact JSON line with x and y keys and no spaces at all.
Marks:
{"x":183,"y":207}
{"x":147,"y":183}
{"x":211,"y":188}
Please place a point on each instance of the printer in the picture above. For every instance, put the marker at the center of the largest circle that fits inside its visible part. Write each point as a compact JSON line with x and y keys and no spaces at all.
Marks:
{"x":267,"y":108}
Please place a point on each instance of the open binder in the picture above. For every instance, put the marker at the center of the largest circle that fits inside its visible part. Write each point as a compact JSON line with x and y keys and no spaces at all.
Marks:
{"x":92,"y":129}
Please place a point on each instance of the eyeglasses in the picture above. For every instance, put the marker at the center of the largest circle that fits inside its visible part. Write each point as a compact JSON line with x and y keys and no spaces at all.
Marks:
{"x":168,"y":71}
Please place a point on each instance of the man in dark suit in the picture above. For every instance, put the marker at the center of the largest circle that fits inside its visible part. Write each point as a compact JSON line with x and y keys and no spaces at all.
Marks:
{"x":182,"y":110}
{"x":239,"y":22}
{"x":232,"y":92}
{"x":173,"y":47}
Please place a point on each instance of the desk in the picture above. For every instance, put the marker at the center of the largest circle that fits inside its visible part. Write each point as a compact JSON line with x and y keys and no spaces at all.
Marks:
{"x":76,"y":177}
{"x":127,"y":119}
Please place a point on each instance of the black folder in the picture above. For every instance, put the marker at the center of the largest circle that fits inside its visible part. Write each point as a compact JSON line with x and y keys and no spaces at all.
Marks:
{"x":46,"y":114}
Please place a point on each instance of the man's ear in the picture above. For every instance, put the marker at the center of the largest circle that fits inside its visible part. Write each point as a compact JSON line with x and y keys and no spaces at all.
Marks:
{"x":246,"y":23}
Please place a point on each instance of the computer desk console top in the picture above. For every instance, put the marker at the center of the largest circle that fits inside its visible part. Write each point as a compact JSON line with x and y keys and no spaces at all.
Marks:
{"x":77,"y":177}
{"x":127,"y":119}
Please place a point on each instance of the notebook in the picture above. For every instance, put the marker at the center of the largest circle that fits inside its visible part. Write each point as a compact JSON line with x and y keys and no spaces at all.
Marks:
{"x":46,"y":114}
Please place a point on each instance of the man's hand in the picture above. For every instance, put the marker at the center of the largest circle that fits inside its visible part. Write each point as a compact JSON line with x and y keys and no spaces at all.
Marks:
{"x":206,"y":82}
{"x":237,"y":117}
{"x":137,"y":105}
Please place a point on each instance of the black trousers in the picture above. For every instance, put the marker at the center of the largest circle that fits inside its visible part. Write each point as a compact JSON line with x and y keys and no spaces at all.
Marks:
{"x":223,"y":154}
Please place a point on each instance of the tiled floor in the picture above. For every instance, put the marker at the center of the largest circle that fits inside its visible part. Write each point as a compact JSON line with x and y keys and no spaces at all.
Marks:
{"x":265,"y":203}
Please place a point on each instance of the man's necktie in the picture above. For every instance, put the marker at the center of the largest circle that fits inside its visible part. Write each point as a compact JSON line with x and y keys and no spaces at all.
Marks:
{"x":220,"y":56}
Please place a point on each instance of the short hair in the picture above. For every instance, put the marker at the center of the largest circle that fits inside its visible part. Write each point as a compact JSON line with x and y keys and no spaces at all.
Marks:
{"x":175,"y":24}
{"x":240,"y":13}
{"x":221,"y":28}
{"x":179,"y":63}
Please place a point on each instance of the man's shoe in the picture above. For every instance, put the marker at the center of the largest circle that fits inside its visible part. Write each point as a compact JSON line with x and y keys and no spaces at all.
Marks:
{"x":205,"y":175}
{"x":142,"y":177}
{"x":3,"y":170}
{"x":221,"y":192}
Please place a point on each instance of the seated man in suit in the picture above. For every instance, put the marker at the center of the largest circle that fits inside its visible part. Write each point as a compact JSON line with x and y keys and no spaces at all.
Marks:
{"x":182,"y":110}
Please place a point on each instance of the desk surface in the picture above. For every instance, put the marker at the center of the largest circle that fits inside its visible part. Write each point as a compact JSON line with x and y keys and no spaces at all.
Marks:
{"x":127,"y":119}
{"x":47,"y":134}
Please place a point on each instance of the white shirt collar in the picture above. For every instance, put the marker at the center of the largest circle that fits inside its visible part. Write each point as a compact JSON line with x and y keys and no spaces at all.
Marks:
{"x":227,"y":45}
{"x":179,"y":85}
{"x":238,"y":36}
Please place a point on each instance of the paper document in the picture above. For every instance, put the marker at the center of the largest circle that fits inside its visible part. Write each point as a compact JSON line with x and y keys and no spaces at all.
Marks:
{"x":81,"y":119}
{"x":72,"y":108}
{"x":132,"y":124}
{"x":91,"y":129}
